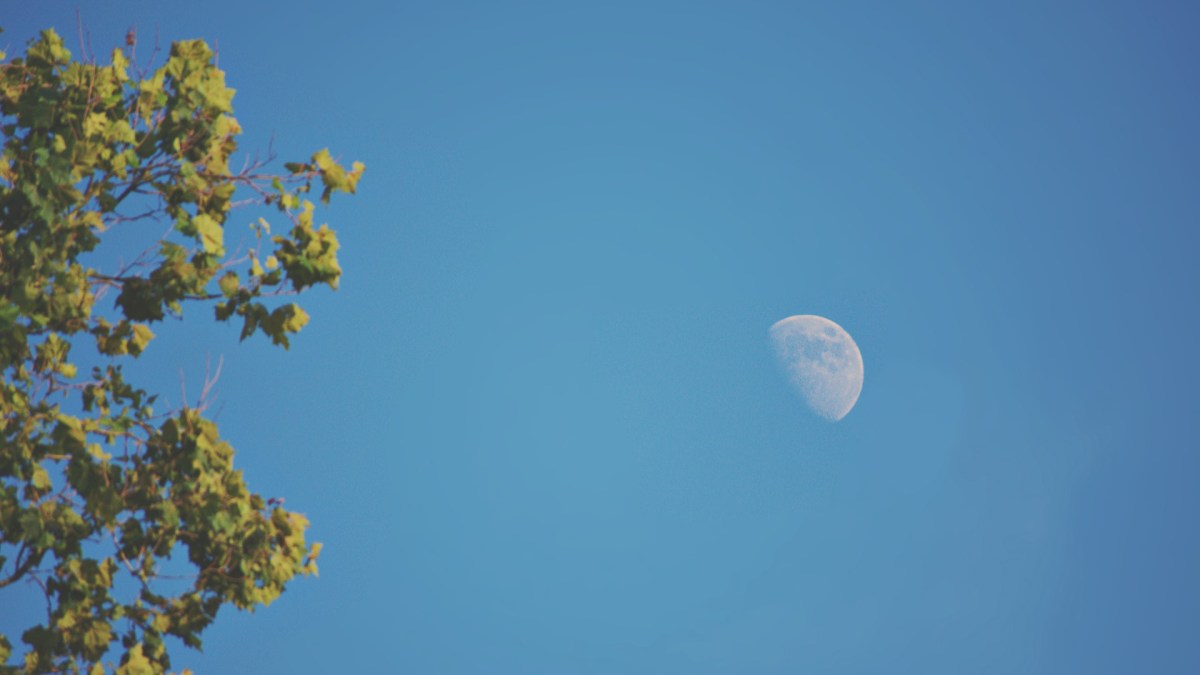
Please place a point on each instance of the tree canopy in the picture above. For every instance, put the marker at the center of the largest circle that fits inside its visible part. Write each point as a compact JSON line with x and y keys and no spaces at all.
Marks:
{"x":99,"y":490}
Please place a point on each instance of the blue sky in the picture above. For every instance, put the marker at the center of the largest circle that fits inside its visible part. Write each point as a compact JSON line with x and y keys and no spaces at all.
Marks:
{"x":539,"y":428}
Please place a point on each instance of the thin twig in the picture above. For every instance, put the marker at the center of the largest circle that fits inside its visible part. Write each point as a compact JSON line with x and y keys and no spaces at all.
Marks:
{"x":84,"y":45}
{"x":183,"y":389}
{"x":210,"y":380}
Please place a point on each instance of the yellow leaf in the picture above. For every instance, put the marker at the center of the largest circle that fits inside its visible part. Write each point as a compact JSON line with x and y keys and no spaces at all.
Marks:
{"x":212,"y":235}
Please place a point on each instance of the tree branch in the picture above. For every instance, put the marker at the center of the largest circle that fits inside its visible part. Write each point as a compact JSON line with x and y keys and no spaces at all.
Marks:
{"x":22,"y":568}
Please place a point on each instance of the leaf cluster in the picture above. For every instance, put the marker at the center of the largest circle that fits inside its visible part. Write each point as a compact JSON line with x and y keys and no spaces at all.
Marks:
{"x":95,"y":486}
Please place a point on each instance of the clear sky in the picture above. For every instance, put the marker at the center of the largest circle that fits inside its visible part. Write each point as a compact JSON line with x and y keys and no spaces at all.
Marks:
{"x":540,"y":430}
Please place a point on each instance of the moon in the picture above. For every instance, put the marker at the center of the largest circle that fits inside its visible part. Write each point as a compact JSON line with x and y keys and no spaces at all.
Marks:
{"x":821,"y":361}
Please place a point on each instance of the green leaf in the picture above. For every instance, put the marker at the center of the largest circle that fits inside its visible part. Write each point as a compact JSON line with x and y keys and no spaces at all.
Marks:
{"x":141,"y":336}
{"x":294,"y":318}
{"x":229,"y":284}
{"x":135,"y":663}
{"x":210,"y":233}
{"x":41,"y":479}
{"x":140,"y":300}
{"x":285,"y":319}
{"x":8,"y":316}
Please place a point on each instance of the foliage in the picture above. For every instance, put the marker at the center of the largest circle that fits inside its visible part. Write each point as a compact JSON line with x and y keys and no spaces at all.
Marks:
{"x":98,"y":492}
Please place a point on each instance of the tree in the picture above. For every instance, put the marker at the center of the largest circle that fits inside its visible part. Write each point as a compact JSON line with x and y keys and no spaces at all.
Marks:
{"x":97,"y":489}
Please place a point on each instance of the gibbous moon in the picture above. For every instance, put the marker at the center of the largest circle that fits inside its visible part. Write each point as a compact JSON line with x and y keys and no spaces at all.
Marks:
{"x":821,"y":361}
